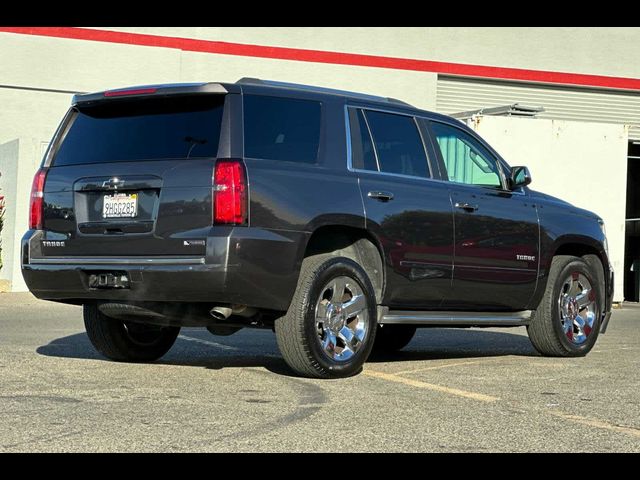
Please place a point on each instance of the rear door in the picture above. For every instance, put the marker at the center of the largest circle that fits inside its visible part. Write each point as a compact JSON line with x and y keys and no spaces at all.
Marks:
{"x":406,"y":206}
{"x":496,"y":230}
{"x":132,"y":177}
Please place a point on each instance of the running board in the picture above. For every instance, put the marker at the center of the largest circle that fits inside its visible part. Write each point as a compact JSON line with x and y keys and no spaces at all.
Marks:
{"x":491,"y":319}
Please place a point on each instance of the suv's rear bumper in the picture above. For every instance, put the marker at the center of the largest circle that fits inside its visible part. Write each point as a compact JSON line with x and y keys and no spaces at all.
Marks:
{"x":247,"y":266}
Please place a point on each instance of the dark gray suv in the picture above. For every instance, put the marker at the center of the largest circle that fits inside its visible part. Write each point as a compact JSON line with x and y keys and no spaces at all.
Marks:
{"x":342,"y":221}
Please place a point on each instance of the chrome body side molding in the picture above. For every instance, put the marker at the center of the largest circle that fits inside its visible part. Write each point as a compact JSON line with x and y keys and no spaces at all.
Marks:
{"x":498,"y":319}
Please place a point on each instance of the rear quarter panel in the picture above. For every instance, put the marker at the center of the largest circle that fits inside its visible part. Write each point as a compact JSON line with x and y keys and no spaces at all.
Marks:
{"x":292,"y":200}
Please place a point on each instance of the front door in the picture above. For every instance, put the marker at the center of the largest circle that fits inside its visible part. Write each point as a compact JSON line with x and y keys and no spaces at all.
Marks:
{"x":496,"y":230}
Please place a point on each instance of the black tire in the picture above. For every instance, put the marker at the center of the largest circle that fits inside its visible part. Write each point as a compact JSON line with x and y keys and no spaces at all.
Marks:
{"x":127,"y":341}
{"x":298,"y":336}
{"x":546,"y":328}
{"x":391,"y":338}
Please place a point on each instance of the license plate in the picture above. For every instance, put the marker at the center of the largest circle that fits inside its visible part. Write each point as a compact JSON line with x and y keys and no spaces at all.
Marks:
{"x":120,"y":205}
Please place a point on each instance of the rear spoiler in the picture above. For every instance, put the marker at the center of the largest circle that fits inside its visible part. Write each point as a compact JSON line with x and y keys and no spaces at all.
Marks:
{"x":148,"y":91}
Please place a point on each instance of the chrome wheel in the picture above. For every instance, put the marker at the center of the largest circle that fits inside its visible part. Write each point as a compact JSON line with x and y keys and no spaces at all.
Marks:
{"x":341,"y":318}
{"x":577,"y":307}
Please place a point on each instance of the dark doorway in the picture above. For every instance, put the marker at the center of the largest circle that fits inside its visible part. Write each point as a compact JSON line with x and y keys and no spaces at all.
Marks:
{"x":632,"y":227}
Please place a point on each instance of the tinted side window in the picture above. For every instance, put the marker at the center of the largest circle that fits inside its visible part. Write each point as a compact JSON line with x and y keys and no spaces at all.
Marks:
{"x":278,"y":128}
{"x":466,"y":160}
{"x":398,"y":144}
{"x":362,"y":154}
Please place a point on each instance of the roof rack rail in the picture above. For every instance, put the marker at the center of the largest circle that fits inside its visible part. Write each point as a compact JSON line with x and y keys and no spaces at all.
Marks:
{"x":313,"y":88}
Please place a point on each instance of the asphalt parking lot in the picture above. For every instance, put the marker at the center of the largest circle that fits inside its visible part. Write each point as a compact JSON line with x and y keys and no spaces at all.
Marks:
{"x":449,"y":390}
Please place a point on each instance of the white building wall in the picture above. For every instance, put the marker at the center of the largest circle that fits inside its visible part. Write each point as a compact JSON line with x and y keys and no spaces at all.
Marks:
{"x":564,"y":49}
{"x":19,"y":159}
{"x":582,"y":163}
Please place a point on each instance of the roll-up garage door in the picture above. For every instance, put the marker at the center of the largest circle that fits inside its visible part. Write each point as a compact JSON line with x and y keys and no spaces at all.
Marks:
{"x":564,"y":103}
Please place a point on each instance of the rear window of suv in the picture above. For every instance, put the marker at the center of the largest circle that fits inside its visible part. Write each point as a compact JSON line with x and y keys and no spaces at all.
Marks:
{"x":149,"y":129}
{"x":285,"y":129}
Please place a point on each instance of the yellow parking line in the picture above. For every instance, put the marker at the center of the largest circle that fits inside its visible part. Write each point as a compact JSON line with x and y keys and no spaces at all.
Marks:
{"x":445,"y":365}
{"x":591,"y":422}
{"x":430,"y":386}
{"x":395,"y":377}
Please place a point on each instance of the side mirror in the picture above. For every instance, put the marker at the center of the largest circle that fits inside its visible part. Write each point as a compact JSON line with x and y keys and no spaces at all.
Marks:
{"x":520,"y":177}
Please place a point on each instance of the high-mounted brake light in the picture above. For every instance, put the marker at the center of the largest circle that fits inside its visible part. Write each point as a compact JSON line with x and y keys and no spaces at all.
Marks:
{"x":37,"y":200}
{"x":229,"y":193}
{"x":133,"y":91}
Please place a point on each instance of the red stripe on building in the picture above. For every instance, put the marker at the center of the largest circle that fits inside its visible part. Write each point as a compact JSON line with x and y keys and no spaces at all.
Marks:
{"x":321,"y":56}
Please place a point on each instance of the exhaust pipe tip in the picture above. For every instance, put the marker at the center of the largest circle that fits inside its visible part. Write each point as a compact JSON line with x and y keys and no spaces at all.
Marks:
{"x":220,"y":313}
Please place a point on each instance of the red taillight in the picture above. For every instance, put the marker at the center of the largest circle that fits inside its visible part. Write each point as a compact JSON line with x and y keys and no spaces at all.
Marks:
{"x":37,"y":200}
{"x":132,"y":91}
{"x":229,"y":193}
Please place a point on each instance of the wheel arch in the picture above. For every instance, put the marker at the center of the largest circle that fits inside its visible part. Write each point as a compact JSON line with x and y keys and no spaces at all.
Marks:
{"x":598,"y":260}
{"x":578,"y":249}
{"x":589,"y":249}
{"x":358,"y":244}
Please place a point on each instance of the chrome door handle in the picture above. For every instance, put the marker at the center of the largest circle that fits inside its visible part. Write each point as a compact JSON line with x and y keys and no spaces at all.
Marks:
{"x":382,"y":196}
{"x":467,"y":207}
